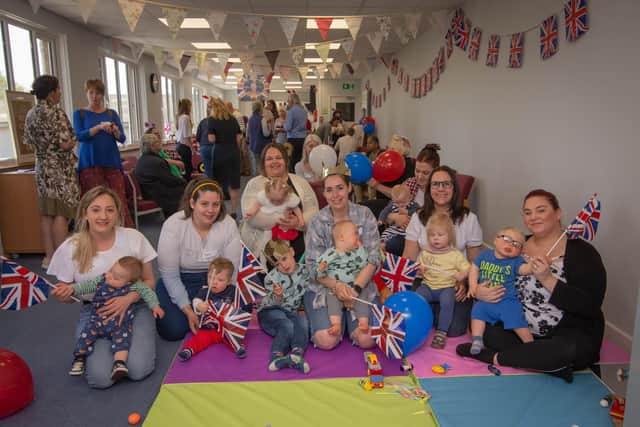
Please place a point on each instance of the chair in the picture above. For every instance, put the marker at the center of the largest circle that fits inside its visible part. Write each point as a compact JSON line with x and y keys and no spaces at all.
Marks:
{"x":465,"y":182}
{"x":198,"y":166}
{"x":138,"y":205}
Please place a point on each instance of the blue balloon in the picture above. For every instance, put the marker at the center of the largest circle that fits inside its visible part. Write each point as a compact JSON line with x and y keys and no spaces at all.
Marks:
{"x":418,"y":318}
{"x":369,"y":128}
{"x":360,"y":167}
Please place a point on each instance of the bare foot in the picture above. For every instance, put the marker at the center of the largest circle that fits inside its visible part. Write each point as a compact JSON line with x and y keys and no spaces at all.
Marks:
{"x":334,"y":329}
{"x":363,"y":324}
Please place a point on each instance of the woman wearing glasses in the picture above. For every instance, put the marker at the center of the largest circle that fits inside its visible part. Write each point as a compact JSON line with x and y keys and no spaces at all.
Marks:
{"x":442,"y":195}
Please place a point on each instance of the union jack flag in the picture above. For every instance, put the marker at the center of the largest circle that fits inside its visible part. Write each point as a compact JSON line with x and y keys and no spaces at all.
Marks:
{"x":461,"y":37}
{"x":396,"y":273}
{"x":249,"y":282}
{"x":388,"y":330}
{"x":20,"y":287}
{"x":457,"y":20}
{"x":549,"y":37}
{"x":449,"y":39}
{"x":232,"y":322}
{"x":406,"y":82}
{"x":474,"y":44}
{"x":585,"y":225}
{"x":441,"y":60}
{"x":516,"y":50}
{"x":435,"y":73}
{"x":425,"y":89}
{"x":575,"y":19}
{"x":493,"y":50}
{"x":428,"y":76}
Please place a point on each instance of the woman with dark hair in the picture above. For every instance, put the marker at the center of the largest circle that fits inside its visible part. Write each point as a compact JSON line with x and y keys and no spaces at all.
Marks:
{"x":443,"y":196}
{"x":189,"y":240}
{"x":562,"y":299}
{"x":183,"y":136}
{"x":48,"y":130}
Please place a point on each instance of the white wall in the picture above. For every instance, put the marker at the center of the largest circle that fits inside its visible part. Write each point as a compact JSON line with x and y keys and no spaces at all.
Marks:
{"x":568,"y":124}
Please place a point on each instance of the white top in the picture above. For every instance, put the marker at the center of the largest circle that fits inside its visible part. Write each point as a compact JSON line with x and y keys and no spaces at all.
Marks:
{"x":181,"y":250}
{"x":345,"y":145}
{"x":184,"y":129}
{"x":419,"y":199}
{"x":468,"y":232}
{"x":128,"y":242}
{"x":301,"y":171}
{"x":268,"y":208}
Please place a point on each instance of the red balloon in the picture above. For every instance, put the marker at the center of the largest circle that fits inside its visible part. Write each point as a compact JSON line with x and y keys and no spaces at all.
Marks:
{"x":389,"y":166}
{"x":16,"y":383}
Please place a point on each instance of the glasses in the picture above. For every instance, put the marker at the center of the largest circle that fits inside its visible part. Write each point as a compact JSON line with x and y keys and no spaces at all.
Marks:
{"x":442,"y":184}
{"x":510,"y":240}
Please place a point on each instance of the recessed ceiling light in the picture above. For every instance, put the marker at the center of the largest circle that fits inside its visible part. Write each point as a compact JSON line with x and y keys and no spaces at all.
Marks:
{"x":278,"y":90}
{"x":230,"y":59}
{"x":336,"y":24}
{"x":189,"y":23}
{"x":275,"y":77}
{"x":211,"y":45}
{"x":312,"y":46}
{"x":235,"y":70}
{"x":312,"y":77}
{"x":316,"y":60}
{"x":293,"y":83}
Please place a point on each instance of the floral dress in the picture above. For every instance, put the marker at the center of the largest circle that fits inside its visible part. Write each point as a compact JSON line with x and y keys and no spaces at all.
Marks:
{"x":46,"y":126}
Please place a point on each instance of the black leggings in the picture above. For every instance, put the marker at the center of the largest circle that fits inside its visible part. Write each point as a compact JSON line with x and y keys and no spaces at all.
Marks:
{"x":567,"y":347}
{"x":185,"y":154}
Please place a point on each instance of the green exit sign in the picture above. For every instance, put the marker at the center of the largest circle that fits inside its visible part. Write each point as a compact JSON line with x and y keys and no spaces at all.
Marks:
{"x":348,"y":86}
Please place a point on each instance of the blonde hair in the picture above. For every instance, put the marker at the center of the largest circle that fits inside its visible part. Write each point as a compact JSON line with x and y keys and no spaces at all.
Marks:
{"x":513,"y":230}
{"x":277,"y":184}
{"x":400,"y":190}
{"x":219,"y":110}
{"x":85,"y":248}
{"x":311,"y":138}
{"x":400,"y":145}
{"x":147,"y":141}
{"x":276,"y":249}
{"x":340,"y":227}
{"x":133,"y":266}
{"x":219,"y":265}
{"x":442,"y":220}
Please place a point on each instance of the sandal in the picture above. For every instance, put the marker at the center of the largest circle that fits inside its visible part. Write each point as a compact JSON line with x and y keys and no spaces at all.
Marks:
{"x":439,"y":340}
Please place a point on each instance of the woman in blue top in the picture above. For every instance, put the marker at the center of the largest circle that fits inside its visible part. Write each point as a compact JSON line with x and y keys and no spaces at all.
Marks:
{"x":99,"y":130}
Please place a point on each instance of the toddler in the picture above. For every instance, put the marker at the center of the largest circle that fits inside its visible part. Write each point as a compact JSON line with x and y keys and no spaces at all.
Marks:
{"x":218,"y":289}
{"x":123,"y":277}
{"x":278,"y":312}
{"x":401,"y":202}
{"x":343,"y":263}
{"x":277,"y":198}
{"x":499,"y":267}
{"x":443,"y":268}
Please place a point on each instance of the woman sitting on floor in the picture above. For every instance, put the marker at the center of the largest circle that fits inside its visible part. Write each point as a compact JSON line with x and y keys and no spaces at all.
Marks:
{"x":189,"y":240}
{"x":562,"y":300}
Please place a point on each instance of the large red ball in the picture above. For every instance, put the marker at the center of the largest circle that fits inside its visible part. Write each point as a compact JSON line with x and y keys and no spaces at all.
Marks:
{"x":16,"y":383}
{"x":389,"y":166}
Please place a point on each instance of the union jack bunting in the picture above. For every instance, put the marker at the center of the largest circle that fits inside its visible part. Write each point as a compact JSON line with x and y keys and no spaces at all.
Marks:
{"x":493,"y":50}
{"x":249,"y":282}
{"x":20,"y":288}
{"x":457,"y":20}
{"x":585,"y":225}
{"x":576,"y":21}
{"x":435,"y":72}
{"x":406,"y":82}
{"x":474,"y":44}
{"x":441,"y":60}
{"x":425,"y":90}
{"x":449,"y":39}
{"x":396,"y":273}
{"x":428,"y":77}
{"x":549,"y":37}
{"x":388,"y":82}
{"x":461,"y":37}
{"x":388,"y":330}
{"x":401,"y":76}
{"x":232,"y":322}
{"x":516,"y":50}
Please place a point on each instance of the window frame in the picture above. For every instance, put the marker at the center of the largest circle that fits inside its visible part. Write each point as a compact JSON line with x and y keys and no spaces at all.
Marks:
{"x":171,"y":102}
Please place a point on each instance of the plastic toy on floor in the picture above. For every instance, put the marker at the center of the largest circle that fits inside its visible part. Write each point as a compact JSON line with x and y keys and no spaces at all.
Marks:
{"x":374,"y":379}
{"x":440,"y":369}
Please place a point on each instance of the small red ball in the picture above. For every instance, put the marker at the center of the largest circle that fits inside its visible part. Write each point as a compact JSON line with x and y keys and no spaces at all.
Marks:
{"x":134,"y":418}
{"x":16,"y":383}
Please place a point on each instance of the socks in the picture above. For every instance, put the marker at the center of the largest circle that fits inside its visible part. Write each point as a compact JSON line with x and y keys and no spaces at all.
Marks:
{"x":476,"y":345}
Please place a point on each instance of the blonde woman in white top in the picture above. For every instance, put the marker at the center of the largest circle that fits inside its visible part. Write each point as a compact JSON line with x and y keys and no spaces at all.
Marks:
{"x":184,"y":128}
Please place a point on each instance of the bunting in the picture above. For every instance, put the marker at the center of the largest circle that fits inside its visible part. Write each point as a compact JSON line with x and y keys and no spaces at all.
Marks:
{"x":323,"y":50}
{"x":35,"y":5}
{"x":297,"y":53}
{"x":303,"y":70}
{"x":86,"y":7}
{"x":337,"y":69}
{"x":376,"y":40}
{"x":176,"y":54}
{"x":223,"y":58}
{"x":284,"y":72}
{"x":254,"y":25}
{"x":216,"y":22}
{"x":516,"y":50}
{"x":272,"y":57}
{"x":384,"y":22}
{"x":575,"y":19}
{"x":474,"y":44}
{"x":386,"y":59}
{"x":174,"y":17}
{"x":289,"y":26}
{"x":412,"y":23}
{"x":226,"y":69}
{"x":549,"y":37}
{"x":323,"y":26}
{"x":449,"y":43}
{"x":461,"y":37}
{"x":159,"y":56}
{"x":353,"y":24}
{"x":184,"y":61}
{"x":131,"y":9}
{"x":493,"y":50}
{"x":403,"y":35}
{"x":347,"y":46}
{"x":428,"y":78}
{"x":137,"y":49}
{"x":194,"y":75}
{"x":201,"y":59}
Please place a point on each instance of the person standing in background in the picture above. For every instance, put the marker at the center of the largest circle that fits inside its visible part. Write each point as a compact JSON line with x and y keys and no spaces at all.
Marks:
{"x":324,"y":130}
{"x":257,"y":136}
{"x":280,"y":133}
{"x":207,"y":149}
{"x":183,"y":136}
{"x":296,"y":127}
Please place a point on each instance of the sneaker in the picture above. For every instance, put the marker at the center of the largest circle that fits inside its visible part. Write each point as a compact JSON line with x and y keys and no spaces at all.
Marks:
{"x":279,"y":362}
{"x":45,"y":263}
{"x":241,"y":352}
{"x":439,"y":340}
{"x":77,"y":367}
{"x":185,"y":354}
{"x":119,"y":371}
{"x":298,"y":363}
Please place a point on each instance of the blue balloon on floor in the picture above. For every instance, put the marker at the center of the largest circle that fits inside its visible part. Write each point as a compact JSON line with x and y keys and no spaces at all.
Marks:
{"x":360,"y":167}
{"x":418,"y":318}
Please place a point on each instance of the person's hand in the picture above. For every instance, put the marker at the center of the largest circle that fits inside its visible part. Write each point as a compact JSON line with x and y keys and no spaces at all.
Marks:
{"x":489,"y":294}
{"x":541,"y":268}
{"x":115,"y":130}
{"x":399,"y":219}
{"x":192,"y":318}
{"x":202,"y":307}
{"x":460,"y":276}
{"x":158,"y":312}
{"x":289,"y":221}
{"x":345,"y":294}
{"x":116,"y":307}
{"x":63,"y":292}
{"x":461,"y":291}
{"x":277,"y":291}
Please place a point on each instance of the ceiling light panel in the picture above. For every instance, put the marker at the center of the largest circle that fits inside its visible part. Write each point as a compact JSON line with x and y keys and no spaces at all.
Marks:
{"x":189,"y":23}
{"x":312,"y":46}
{"x":336,"y":24}
{"x":211,"y":45}
{"x":316,"y":60}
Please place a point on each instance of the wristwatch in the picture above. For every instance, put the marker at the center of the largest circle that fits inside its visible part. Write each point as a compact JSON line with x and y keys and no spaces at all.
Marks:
{"x":358,"y":288}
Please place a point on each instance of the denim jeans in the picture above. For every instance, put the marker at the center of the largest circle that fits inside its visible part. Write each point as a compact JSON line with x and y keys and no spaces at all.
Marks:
{"x":174,"y":325}
{"x":207,"y":152}
{"x":459,"y":324}
{"x":254,"y":159}
{"x":288,"y":329}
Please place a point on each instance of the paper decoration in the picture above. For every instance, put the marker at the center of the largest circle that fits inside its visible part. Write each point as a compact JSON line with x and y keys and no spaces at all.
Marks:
{"x":384,"y":94}
{"x":159,"y":56}
{"x":461,"y":37}
{"x":474,"y":44}
{"x":184,"y":61}
{"x":253,"y":89}
{"x":425,"y":88}
{"x":350,"y":69}
{"x":323,"y":26}
{"x":449,"y":43}
{"x":137,"y":49}
{"x":337,"y":69}
{"x":347,"y":46}
{"x":253,"y":24}
{"x":272,"y":57}
{"x":323,"y":50}
{"x":284,"y":72}
{"x":493,"y":50}
{"x":406,"y":82}
{"x":549,"y":37}
{"x":384,"y":22}
{"x":371,"y":63}
{"x":297,"y":53}
{"x":376,"y":40}
{"x":435,"y":72}
{"x":303,"y":71}
{"x":402,"y":34}
{"x":428,"y":79}
{"x":576,"y":19}
{"x":226,"y":69}
{"x":195,"y":73}
{"x":441,"y":60}
{"x":412,"y":23}
{"x":176,"y":54}
{"x":388,"y":83}
{"x":86,"y":7}
{"x":289,"y":26}
{"x":354,"y":26}
{"x":131,"y":11}
{"x":216,"y":22}
{"x":401,"y":75}
{"x":35,"y":5}
{"x":516,"y":50}
{"x":394,"y":66}
{"x":174,"y":19}
{"x":457,"y":20}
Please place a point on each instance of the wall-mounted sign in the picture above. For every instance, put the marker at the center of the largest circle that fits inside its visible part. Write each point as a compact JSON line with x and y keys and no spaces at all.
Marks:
{"x":348,"y":86}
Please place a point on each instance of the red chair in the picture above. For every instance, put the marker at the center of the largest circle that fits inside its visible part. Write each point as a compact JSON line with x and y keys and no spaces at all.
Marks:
{"x":465,"y":182}
{"x":318,"y":189}
{"x":137,"y":204}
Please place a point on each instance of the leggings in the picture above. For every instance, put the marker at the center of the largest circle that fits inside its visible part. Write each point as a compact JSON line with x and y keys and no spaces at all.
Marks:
{"x":186,"y":156}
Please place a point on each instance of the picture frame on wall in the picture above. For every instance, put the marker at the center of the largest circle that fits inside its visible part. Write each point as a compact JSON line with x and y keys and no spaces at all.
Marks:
{"x":19,"y":104}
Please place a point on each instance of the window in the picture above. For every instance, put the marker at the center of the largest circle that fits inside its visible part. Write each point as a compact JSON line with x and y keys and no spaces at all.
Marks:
{"x":199,"y":104}
{"x":119,"y":77}
{"x":25,"y":53}
{"x":167,"y":90}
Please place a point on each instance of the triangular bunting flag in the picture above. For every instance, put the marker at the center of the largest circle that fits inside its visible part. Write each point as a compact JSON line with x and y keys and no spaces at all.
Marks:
{"x":320,"y":71}
{"x":159,"y":56}
{"x":176,"y":54}
{"x":272,"y":57}
{"x":412,"y":22}
{"x":297,"y":53}
{"x":350,"y":68}
{"x":402,"y":34}
{"x":137,"y":49}
{"x":226,"y":69}
{"x":303,"y":72}
{"x":354,"y":25}
{"x":376,"y":40}
{"x":386,"y":59}
{"x":86,"y":7}
{"x":385,"y":25}
{"x":449,"y":43}
{"x":253,"y":24}
{"x":284,"y":72}
{"x":184,"y":61}
{"x":371,"y":63}
{"x":323,"y":26}
{"x":323,"y":50}
{"x":131,"y":11}
{"x":174,"y":19}
{"x":201,"y":59}
{"x":35,"y":5}
{"x":289,"y":26}
{"x":216,"y":22}
{"x":337,"y":69}
{"x":347,"y":46}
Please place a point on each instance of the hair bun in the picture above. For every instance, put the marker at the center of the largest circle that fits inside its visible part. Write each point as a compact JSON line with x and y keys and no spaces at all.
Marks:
{"x":435,"y":147}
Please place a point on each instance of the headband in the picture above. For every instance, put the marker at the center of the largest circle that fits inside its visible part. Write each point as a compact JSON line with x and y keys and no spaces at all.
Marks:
{"x":205,"y":184}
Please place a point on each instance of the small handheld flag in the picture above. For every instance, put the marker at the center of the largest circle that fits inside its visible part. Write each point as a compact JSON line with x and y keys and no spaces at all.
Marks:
{"x":249,"y":282}
{"x":232,"y":322}
{"x":20,"y":287}
{"x":388,"y":330}
{"x":396,"y":273}
{"x":585,"y":224}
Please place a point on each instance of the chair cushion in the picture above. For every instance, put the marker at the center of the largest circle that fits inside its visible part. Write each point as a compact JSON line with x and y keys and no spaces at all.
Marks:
{"x":145,"y":205}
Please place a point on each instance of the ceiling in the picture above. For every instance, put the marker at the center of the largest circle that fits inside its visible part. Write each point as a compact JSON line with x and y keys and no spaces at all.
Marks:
{"x":107,"y":19}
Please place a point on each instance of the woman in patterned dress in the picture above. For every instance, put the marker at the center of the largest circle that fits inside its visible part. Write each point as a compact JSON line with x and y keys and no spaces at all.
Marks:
{"x":48,"y":130}
{"x":562,"y":300}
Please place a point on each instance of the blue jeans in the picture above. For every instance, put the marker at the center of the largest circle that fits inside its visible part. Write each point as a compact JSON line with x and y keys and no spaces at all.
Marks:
{"x":174,"y":325}
{"x":142,"y":353}
{"x":461,"y":312}
{"x":318,"y":318}
{"x":289,"y":329}
{"x":207,"y":152}
{"x":255,"y":159}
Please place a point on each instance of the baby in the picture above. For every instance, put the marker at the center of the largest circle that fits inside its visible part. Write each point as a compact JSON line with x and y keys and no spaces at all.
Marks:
{"x":402,"y":203}
{"x":499,"y":267}
{"x":123,"y":277}
{"x":218,"y":289}
{"x":344,"y":263}
{"x":277,"y":198}
{"x":279,"y":311}
{"x":443,"y":267}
